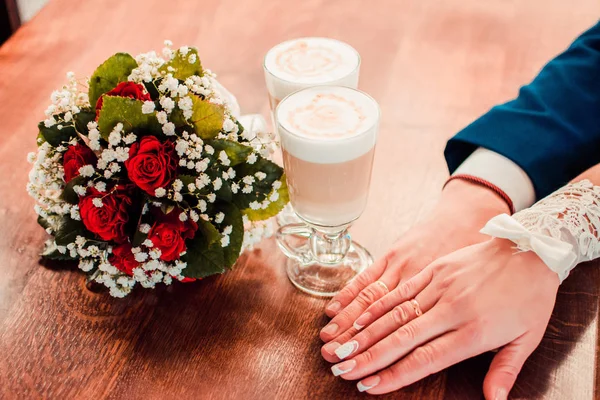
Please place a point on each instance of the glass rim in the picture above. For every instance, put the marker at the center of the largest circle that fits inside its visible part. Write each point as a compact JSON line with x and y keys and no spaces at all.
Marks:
{"x":356,"y":68}
{"x":361,"y":133}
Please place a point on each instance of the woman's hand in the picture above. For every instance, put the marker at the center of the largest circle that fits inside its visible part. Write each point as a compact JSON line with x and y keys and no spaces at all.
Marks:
{"x":476,"y":299}
{"x":462,"y":211}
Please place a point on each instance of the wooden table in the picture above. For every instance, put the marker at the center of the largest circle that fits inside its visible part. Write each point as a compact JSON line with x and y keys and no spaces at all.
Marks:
{"x":433,"y":66}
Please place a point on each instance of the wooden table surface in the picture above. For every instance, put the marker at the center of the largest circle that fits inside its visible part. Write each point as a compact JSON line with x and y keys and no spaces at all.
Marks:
{"x":433,"y":66}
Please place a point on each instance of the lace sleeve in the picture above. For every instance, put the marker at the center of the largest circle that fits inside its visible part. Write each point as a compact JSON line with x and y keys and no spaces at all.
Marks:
{"x":562,"y":229}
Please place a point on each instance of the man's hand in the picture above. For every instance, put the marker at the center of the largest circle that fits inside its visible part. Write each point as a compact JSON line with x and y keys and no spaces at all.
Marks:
{"x":461,"y":212}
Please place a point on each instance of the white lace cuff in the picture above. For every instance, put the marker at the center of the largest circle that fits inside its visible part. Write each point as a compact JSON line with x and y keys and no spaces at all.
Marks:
{"x":562,"y":229}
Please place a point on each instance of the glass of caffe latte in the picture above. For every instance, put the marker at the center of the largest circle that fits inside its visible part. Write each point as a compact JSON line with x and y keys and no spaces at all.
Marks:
{"x":300,"y":63}
{"x":328,"y":136}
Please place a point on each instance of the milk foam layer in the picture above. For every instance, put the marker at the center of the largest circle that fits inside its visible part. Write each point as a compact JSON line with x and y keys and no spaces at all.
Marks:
{"x":328,"y":124}
{"x":305,"y":62}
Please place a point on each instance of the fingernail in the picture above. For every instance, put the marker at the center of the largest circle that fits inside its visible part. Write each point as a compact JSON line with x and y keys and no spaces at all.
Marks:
{"x":334,"y":307}
{"x":330,"y":329}
{"x":343,"y":368}
{"x":368,"y":383}
{"x":346,"y":349}
{"x":501,"y":394}
{"x":330,"y":347}
{"x":362,"y":321}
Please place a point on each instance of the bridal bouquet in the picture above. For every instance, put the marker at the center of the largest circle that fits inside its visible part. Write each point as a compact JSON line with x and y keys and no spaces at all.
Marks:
{"x":145,"y":176}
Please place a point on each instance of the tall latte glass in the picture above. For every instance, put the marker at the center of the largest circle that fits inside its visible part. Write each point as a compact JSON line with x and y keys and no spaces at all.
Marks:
{"x":328,"y":136}
{"x":300,"y":63}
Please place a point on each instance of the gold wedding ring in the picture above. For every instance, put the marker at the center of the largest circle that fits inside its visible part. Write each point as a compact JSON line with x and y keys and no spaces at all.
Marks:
{"x":383,"y":285}
{"x":416,"y":306}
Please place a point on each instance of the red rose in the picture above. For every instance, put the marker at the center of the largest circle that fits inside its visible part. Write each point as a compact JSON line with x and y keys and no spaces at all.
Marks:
{"x":151,"y":164}
{"x":76,"y":157}
{"x":124,"y":89}
{"x":109,"y":221}
{"x":123,"y":259}
{"x":168,"y":234}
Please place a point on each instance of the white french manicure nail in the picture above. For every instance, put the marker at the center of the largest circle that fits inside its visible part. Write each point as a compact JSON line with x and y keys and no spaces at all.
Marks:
{"x":363,"y":388}
{"x":358,"y":327}
{"x":343,"y":368}
{"x":374,"y":381}
{"x":346,"y":349}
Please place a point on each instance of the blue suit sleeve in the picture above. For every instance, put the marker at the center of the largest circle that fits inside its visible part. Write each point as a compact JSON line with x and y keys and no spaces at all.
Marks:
{"x":552,"y":129}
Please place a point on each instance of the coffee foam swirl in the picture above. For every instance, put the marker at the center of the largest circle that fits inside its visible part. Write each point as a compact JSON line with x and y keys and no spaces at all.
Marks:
{"x":298,"y":63}
{"x":328,"y":124}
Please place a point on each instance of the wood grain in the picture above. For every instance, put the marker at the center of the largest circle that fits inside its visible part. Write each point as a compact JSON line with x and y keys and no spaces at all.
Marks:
{"x":433,"y":66}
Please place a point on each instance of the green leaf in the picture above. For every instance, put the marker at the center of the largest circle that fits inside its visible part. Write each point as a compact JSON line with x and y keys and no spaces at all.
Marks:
{"x":68,"y":193}
{"x":204,"y":256}
{"x":274,"y":207}
{"x":68,"y":230}
{"x":129,"y":112}
{"x":260,"y":189}
{"x":108,"y":75}
{"x":51,"y":253}
{"x":207,"y":118}
{"x":233,"y":217}
{"x":81,"y":120}
{"x":180,"y":66}
{"x":56,"y":136}
{"x":236,"y":152}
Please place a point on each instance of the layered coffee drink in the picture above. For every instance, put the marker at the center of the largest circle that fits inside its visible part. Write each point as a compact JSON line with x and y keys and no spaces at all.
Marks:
{"x":301,"y":63}
{"x":328,"y":136}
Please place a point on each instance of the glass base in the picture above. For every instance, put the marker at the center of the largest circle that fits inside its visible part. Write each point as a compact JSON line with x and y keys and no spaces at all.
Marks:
{"x":326,"y":280}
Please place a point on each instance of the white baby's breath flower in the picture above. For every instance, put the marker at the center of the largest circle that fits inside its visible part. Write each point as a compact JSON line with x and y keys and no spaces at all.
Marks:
{"x":224,"y":158}
{"x":192,"y":58}
{"x":178,"y":197}
{"x":251,"y":158}
{"x":194,"y":216}
{"x":202,"y":205}
{"x":191,"y":187}
{"x":247,"y":189}
{"x":100,"y":186}
{"x":219,"y":217}
{"x":228,"y":125}
{"x":183,"y":217}
{"x":160,"y":192}
{"x":97,"y":201}
{"x":80,"y":190}
{"x":211,"y":197}
{"x":235,"y":187}
{"x":148,"y":243}
{"x":86,"y":265}
{"x":148,"y":107}
{"x":209,"y":149}
{"x":276,"y":185}
{"x":217,"y":183}
{"x":161,"y":116}
{"x":130,"y":138}
{"x":145,"y":228}
{"x":228,"y":229}
{"x":274,"y":196}
{"x":255,"y":205}
{"x":167,"y":104}
{"x":86,"y":171}
{"x":177,"y":185}
{"x":260,"y":175}
{"x":141,"y":256}
{"x":185,"y":103}
{"x":169,"y":129}
{"x":225,"y":241}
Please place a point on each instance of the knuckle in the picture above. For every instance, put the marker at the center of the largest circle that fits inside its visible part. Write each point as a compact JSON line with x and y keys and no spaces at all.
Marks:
{"x":368,"y":296}
{"x":424,"y":355}
{"x":399,"y":315}
{"x":367,"y":357}
{"x":409,"y":331}
{"x":405,"y":289}
{"x":509,"y":369}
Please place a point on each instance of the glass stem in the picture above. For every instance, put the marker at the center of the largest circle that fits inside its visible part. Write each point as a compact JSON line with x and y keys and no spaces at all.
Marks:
{"x":330,"y":248}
